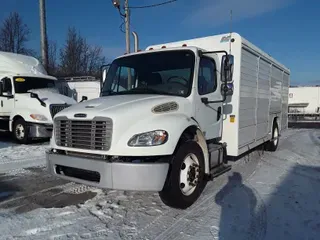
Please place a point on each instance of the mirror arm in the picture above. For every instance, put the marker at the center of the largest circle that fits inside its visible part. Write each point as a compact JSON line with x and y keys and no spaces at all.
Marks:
{"x":34,"y":95}
{"x":84,"y":98}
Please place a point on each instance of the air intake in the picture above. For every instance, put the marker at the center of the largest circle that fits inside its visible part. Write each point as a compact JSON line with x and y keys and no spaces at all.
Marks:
{"x":166,"y":107}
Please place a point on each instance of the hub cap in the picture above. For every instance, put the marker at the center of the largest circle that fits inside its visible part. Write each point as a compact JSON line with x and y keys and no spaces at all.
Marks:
{"x":189,"y":174}
{"x":20,"y":133}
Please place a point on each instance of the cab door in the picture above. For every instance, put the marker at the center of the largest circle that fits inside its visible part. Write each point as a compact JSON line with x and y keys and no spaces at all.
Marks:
{"x":209,"y":115}
{"x":6,"y":97}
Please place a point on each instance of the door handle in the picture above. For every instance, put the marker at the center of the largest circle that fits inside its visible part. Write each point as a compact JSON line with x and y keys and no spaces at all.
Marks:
{"x":219,"y":113}
{"x":1,"y":103}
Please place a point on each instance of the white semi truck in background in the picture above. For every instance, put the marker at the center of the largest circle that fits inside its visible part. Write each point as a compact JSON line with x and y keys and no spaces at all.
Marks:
{"x":29,"y":98}
{"x":169,"y":116}
{"x":81,"y":88}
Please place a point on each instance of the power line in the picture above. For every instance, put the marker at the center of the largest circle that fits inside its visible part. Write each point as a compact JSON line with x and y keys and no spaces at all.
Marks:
{"x":154,"y":5}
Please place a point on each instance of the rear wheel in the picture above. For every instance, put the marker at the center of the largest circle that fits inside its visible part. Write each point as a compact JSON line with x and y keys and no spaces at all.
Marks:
{"x":20,"y":131}
{"x":185,"y":181}
{"x":272,"y":145}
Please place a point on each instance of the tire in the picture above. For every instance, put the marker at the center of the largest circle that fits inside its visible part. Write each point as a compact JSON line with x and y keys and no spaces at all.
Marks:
{"x":20,"y":131}
{"x":272,"y":145}
{"x":174,"y":192}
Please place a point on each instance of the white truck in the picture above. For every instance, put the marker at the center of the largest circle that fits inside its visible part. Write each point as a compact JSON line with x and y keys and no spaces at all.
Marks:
{"x":80,"y":87}
{"x":28,"y":98}
{"x":170,"y":124}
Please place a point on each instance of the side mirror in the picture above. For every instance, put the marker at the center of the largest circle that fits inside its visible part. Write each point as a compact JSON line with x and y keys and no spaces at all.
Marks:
{"x":1,"y":88}
{"x":227,"y":63}
{"x":33,"y":95}
{"x":84,"y":98}
{"x":104,"y":72}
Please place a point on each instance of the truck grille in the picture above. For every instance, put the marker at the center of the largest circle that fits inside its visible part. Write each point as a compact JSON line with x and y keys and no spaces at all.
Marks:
{"x":93,"y":134}
{"x":55,"y":108}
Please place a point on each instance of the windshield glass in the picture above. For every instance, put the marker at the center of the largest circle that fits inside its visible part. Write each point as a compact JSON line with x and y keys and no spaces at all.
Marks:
{"x":25,"y":84}
{"x":168,"y":73}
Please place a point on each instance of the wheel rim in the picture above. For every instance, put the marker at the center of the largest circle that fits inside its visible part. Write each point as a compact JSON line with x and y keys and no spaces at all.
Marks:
{"x":189,"y":174}
{"x":275,"y":136}
{"x":20,"y":133}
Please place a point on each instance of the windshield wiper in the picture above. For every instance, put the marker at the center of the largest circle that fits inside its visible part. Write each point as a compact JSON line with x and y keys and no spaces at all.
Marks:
{"x":143,"y":91}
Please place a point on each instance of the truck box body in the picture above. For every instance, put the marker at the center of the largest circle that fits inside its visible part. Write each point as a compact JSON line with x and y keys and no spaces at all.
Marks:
{"x":261,"y":86}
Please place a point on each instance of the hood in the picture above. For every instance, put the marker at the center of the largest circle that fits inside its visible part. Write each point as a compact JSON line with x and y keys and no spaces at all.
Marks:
{"x":52,"y":96}
{"x":121,"y":105}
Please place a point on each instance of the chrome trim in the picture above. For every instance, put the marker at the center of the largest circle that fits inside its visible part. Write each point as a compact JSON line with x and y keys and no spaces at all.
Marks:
{"x":93,"y":134}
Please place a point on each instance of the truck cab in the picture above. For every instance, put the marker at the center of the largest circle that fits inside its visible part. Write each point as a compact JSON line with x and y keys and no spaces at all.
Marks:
{"x":29,"y":98}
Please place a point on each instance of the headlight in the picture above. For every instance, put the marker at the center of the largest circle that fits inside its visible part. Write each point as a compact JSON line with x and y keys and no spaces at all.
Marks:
{"x":38,"y":117}
{"x":146,"y":139}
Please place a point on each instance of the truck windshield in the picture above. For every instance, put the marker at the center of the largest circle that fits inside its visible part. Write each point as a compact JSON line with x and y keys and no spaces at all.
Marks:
{"x":167,"y":73}
{"x":25,"y":84}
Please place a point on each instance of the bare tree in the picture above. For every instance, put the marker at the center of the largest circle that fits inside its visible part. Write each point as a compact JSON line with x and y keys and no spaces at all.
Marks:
{"x":52,"y":58}
{"x":77,"y":57}
{"x":14,"y":35}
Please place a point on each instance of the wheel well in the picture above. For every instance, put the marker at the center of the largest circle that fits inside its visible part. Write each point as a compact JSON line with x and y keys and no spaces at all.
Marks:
{"x":275,"y":120}
{"x":15,"y":118}
{"x":193,"y":133}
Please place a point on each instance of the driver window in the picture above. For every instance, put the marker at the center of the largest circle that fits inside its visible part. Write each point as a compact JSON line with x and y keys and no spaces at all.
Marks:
{"x":120,"y":81}
{"x":7,"y":86}
{"x":207,"y":77}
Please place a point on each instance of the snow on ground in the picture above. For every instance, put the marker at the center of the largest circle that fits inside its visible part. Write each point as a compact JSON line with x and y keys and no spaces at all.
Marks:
{"x":265,"y":196}
{"x":14,"y":155}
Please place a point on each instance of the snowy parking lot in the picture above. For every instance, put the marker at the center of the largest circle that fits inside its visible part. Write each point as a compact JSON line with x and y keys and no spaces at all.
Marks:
{"x":265,"y":196}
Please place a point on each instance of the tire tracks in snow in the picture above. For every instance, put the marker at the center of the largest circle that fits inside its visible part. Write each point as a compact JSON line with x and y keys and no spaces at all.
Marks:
{"x":172,"y":222}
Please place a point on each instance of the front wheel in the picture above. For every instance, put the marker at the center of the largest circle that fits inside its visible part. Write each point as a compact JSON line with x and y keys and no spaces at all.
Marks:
{"x":20,"y":131}
{"x":186,"y":178}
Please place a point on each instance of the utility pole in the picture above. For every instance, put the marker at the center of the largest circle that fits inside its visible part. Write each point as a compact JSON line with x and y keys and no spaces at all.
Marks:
{"x":126,"y":15}
{"x":43,"y":33}
{"x":127,"y":19}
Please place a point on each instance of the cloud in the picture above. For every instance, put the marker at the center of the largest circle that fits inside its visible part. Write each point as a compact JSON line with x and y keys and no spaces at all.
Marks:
{"x":217,"y":12}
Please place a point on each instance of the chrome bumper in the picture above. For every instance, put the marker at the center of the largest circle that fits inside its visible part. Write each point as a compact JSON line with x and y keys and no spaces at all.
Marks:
{"x":40,"y":130}
{"x":110,"y":175}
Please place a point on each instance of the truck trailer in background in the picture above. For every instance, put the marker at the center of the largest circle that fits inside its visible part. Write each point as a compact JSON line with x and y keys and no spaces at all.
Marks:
{"x":304,"y":104}
{"x":80,"y":87}
{"x":169,"y":116}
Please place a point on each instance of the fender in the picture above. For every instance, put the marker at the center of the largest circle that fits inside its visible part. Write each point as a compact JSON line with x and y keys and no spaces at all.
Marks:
{"x":25,"y":114}
{"x":173,"y":123}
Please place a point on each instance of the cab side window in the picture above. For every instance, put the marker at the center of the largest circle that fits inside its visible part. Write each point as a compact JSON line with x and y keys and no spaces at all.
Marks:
{"x":7,"y":86}
{"x":207,"y":77}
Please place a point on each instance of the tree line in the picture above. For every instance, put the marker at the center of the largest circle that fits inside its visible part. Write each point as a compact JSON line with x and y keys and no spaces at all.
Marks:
{"x":75,"y":58}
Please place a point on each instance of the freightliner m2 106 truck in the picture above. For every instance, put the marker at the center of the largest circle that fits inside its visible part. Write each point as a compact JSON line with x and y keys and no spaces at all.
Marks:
{"x":169,"y":116}
{"x":28,"y":98}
